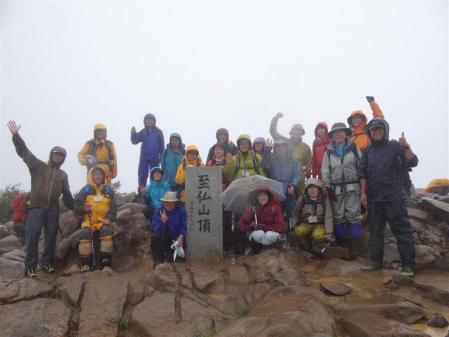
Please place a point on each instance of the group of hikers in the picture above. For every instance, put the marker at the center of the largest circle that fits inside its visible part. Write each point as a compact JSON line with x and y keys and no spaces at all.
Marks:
{"x":352,"y":169}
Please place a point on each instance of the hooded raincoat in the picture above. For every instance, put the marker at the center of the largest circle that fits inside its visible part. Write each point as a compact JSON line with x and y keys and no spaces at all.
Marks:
{"x":171,"y":159}
{"x":319,"y":148}
{"x":181,"y":175}
{"x":230,"y":147}
{"x":359,"y":133}
{"x":152,"y":140}
{"x":104,"y":152}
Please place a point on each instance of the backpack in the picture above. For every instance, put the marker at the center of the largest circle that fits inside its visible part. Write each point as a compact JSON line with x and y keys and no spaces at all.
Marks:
{"x":93,"y":152}
{"x":255,"y":163}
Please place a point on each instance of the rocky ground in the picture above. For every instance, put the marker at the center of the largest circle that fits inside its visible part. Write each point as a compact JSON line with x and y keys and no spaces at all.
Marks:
{"x":278,"y":293}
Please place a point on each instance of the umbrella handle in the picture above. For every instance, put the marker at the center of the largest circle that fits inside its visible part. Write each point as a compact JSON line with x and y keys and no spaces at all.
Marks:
{"x":255,"y":216}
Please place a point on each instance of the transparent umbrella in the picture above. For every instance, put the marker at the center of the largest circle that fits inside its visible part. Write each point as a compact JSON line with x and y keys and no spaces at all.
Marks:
{"x":241,"y":191}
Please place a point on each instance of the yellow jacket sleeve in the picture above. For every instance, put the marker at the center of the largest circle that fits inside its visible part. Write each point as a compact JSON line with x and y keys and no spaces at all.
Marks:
{"x":180,"y":175}
{"x":83,"y":153}
{"x":114,"y":167}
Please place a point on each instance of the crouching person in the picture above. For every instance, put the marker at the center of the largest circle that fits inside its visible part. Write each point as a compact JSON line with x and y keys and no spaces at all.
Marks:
{"x":96,"y":204}
{"x":169,"y":226}
{"x":261,"y":223}
{"x":313,"y":216}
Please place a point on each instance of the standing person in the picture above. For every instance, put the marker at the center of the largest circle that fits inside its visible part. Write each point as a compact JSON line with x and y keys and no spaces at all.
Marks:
{"x":300,"y":150}
{"x":191,"y":159}
{"x":260,"y":224}
{"x":285,"y":169}
{"x":95,"y":203}
{"x":100,"y":151}
{"x":172,"y":158}
{"x":342,"y":183}
{"x":169,"y":224}
{"x":319,"y":148}
{"x":358,"y":121}
{"x":245,"y":163}
{"x":19,"y":207}
{"x":48,"y":183}
{"x":384,"y":195}
{"x":154,"y":192}
{"x":222,"y":136}
{"x":221,"y":158}
{"x":152,"y":139}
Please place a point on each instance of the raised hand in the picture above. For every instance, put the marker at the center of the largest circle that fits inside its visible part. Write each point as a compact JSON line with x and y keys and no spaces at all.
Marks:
{"x":370,"y":99}
{"x":13,"y":127}
{"x":279,"y":115}
{"x":164,"y":217}
{"x":133,"y":129}
{"x":402,"y":140}
{"x":269,"y":142}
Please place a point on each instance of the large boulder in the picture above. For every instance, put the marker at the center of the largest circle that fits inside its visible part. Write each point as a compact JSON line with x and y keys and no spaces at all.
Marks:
{"x":42,"y":317}
{"x":23,"y":289}
{"x":102,"y":305}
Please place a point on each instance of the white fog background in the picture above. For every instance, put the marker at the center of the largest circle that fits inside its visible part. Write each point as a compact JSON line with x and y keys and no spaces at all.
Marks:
{"x":202,"y":65}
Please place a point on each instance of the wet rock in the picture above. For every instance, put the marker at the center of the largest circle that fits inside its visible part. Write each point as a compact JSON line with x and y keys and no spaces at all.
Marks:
{"x":438,"y":208}
{"x":442,"y":262}
{"x":17,"y":255}
{"x":4,"y":231}
{"x":405,"y":312}
{"x":24,"y":289}
{"x":42,"y":317}
{"x":162,"y":278}
{"x":70,"y":288}
{"x":437,"y":321}
{"x":123,"y":263}
{"x":237,"y":274}
{"x":425,"y":256}
{"x":10,"y":269}
{"x":68,"y":223}
{"x":433,"y":285}
{"x":404,"y":331}
{"x":64,"y":245}
{"x":155,"y":310}
{"x":102,"y":305}
{"x":132,"y":207}
{"x":10,"y":243}
{"x":336,"y":267}
{"x":337,"y":289}
{"x":284,"y":316}
{"x":417,"y":213}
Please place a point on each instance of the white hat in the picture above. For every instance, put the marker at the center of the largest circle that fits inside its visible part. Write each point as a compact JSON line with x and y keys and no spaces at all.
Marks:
{"x":170,"y":197}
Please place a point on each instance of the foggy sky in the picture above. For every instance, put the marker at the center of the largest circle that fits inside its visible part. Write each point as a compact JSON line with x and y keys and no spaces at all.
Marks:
{"x":202,"y":65}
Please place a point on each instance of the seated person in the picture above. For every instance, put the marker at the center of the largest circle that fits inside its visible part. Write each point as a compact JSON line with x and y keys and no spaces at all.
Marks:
{"x":96,"y":204}
{"x":263,"y":221}
{"x":154,"y":191}
{"x":169,"y":225}
{"x":312,"y":216}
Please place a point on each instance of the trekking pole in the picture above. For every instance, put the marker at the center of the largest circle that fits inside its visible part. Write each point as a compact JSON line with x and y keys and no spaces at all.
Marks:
{"x":92,"y":242}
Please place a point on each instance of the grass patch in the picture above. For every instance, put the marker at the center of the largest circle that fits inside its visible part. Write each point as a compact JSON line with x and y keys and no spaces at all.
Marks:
{"x":240,"y":313}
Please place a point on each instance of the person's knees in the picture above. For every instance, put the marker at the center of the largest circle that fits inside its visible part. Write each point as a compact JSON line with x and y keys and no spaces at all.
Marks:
{"x":85,"y":247}
{"x":318,"y":233}
{"x":270,"y":238}
{"x":106,"y":230}
{"x":106,"y":245}
{"x":257,"y":236}
{"x":86,"y":233}
{"x":302,"y":230}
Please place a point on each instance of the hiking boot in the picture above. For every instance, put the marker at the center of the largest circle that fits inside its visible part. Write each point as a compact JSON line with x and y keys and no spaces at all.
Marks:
{"x":48,"y":268}
{"x":371,"y":266}
{"x":407,"y":272}
{"x":31,"y":273}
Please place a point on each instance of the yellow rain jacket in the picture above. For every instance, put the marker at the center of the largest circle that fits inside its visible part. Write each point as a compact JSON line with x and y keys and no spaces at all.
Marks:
{"x":101,"y":200}
{"x":180,"y":173}
{"x":104,"y":153}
